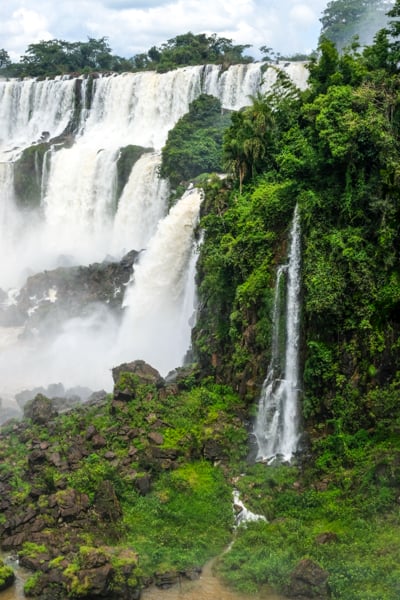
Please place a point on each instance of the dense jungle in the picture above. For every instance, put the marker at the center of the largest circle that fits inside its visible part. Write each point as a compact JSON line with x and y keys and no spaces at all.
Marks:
{"x":138,"y":484}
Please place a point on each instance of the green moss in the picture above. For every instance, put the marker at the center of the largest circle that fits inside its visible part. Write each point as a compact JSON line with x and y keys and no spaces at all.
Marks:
{"x":32,"y":584}
{"x":6,"y":575}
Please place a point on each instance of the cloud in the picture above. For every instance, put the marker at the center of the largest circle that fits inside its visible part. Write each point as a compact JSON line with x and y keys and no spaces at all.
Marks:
{"x":25,"y":27}
{"x":303,"y":15}
{"x":133,"y":26}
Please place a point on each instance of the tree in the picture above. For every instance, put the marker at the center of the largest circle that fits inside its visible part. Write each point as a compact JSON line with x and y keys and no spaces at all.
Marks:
{"x":194,"y":145}
{"x":342,"y":19}
{"x":193,"y":49}
{"x":4,"y":59}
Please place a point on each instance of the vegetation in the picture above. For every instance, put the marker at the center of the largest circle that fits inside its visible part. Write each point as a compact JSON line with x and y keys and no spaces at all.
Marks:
{"x":343,"y":19}
{"x":194,"y":145}
{"x":191,"y":49}
{"x":334,"y":151}
{"x":59,"y":57}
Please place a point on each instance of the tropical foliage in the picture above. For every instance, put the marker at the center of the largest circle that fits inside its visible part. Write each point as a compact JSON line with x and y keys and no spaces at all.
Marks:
{"x":194,"y":145}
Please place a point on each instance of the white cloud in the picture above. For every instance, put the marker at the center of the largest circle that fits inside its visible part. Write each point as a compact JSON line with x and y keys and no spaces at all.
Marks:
{"x":25,"y":27}
{"x":133,"y":26}
{"x":303,"y":15}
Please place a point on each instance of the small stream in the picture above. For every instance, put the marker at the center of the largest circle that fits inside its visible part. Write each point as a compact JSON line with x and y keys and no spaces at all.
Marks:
{"x":207,"y":587}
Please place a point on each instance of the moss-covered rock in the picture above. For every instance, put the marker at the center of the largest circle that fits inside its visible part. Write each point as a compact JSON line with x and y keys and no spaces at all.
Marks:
{"x":7,"y":576}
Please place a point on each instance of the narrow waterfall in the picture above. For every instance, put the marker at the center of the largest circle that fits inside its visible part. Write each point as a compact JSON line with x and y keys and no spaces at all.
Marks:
{"x":75,"y":131}
{"x":277,"y":424}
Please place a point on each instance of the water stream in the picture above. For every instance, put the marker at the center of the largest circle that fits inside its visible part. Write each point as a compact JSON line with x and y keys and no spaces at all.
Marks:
{"x":277,"y":424}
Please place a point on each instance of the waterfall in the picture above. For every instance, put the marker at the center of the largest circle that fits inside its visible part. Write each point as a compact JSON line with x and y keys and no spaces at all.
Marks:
{"x":78,"y":129}
{"x":277,"y":424}
{"x":156,"y":326}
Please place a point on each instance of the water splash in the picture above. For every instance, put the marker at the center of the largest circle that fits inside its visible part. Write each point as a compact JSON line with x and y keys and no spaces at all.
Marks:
{"x":157,"y":323}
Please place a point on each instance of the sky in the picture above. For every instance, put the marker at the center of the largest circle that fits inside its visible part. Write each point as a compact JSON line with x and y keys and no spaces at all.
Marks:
{"x":134,"y":26}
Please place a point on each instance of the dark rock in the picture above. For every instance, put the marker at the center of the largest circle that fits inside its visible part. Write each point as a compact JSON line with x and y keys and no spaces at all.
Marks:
{"x":36,"y":459}
{"x":213,"y":450}
{"x":40,"y":410}
{"x":166,"y":580}
{"x":98,"y":441}
{"x":90,"y":432}
{"x":48,"y":299}
{"x":308,"y":580}
{"x":106,"y":502}
{"x":156,"y":437}
{"x":13,"y":542}
{"x":145,"y":373}
{"x":70,"y":503}
{"x":143,"y":484}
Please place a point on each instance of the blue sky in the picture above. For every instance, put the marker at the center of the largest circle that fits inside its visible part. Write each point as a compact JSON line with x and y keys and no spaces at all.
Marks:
{"x":133,"y":26}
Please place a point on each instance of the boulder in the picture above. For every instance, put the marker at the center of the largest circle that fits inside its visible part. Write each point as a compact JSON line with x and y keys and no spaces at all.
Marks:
{"x":40,"y":410}
{"x":308,"y":580}
{"x":144,"y":372}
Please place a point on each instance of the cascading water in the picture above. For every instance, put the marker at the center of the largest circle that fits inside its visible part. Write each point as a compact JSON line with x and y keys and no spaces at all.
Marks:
{"x":277,"y":424}
{"x":157,"y":322}
{"x":81,"y":130}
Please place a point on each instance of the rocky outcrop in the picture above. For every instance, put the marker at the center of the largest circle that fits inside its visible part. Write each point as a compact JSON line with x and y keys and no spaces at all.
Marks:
{"x":144,"y":372}
{"x":49,"y":298}
{"x":69,"y":510}
{"x":40,"y":410}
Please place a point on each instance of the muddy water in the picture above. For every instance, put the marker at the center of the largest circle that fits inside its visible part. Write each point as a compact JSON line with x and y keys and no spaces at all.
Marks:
{"x":15,"y":592}
{"x":207,"y":587}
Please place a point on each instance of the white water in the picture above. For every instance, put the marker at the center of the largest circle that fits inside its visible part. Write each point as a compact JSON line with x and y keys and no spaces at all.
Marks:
{"x":277,"y":424}
{"x":160,"y":287}
{"x":80,"y":220}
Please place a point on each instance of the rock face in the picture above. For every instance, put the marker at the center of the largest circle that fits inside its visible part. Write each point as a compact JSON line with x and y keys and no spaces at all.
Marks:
{"x":308,"y":580}
{"x":49,"y":298}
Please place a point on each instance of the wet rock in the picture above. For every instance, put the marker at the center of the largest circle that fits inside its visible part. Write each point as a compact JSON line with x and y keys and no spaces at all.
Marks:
{"x":49,"y":298}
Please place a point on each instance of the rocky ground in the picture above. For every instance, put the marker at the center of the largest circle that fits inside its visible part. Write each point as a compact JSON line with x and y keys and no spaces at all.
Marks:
{"x":71,"y":539}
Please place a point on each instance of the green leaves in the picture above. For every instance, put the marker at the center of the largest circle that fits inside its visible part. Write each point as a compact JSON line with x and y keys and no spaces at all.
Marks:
{"x":194,"y":145}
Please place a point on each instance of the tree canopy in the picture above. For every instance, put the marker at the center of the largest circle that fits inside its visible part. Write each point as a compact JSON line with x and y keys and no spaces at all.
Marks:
{"x":343,"y":19}
{"x":59,"y":57}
